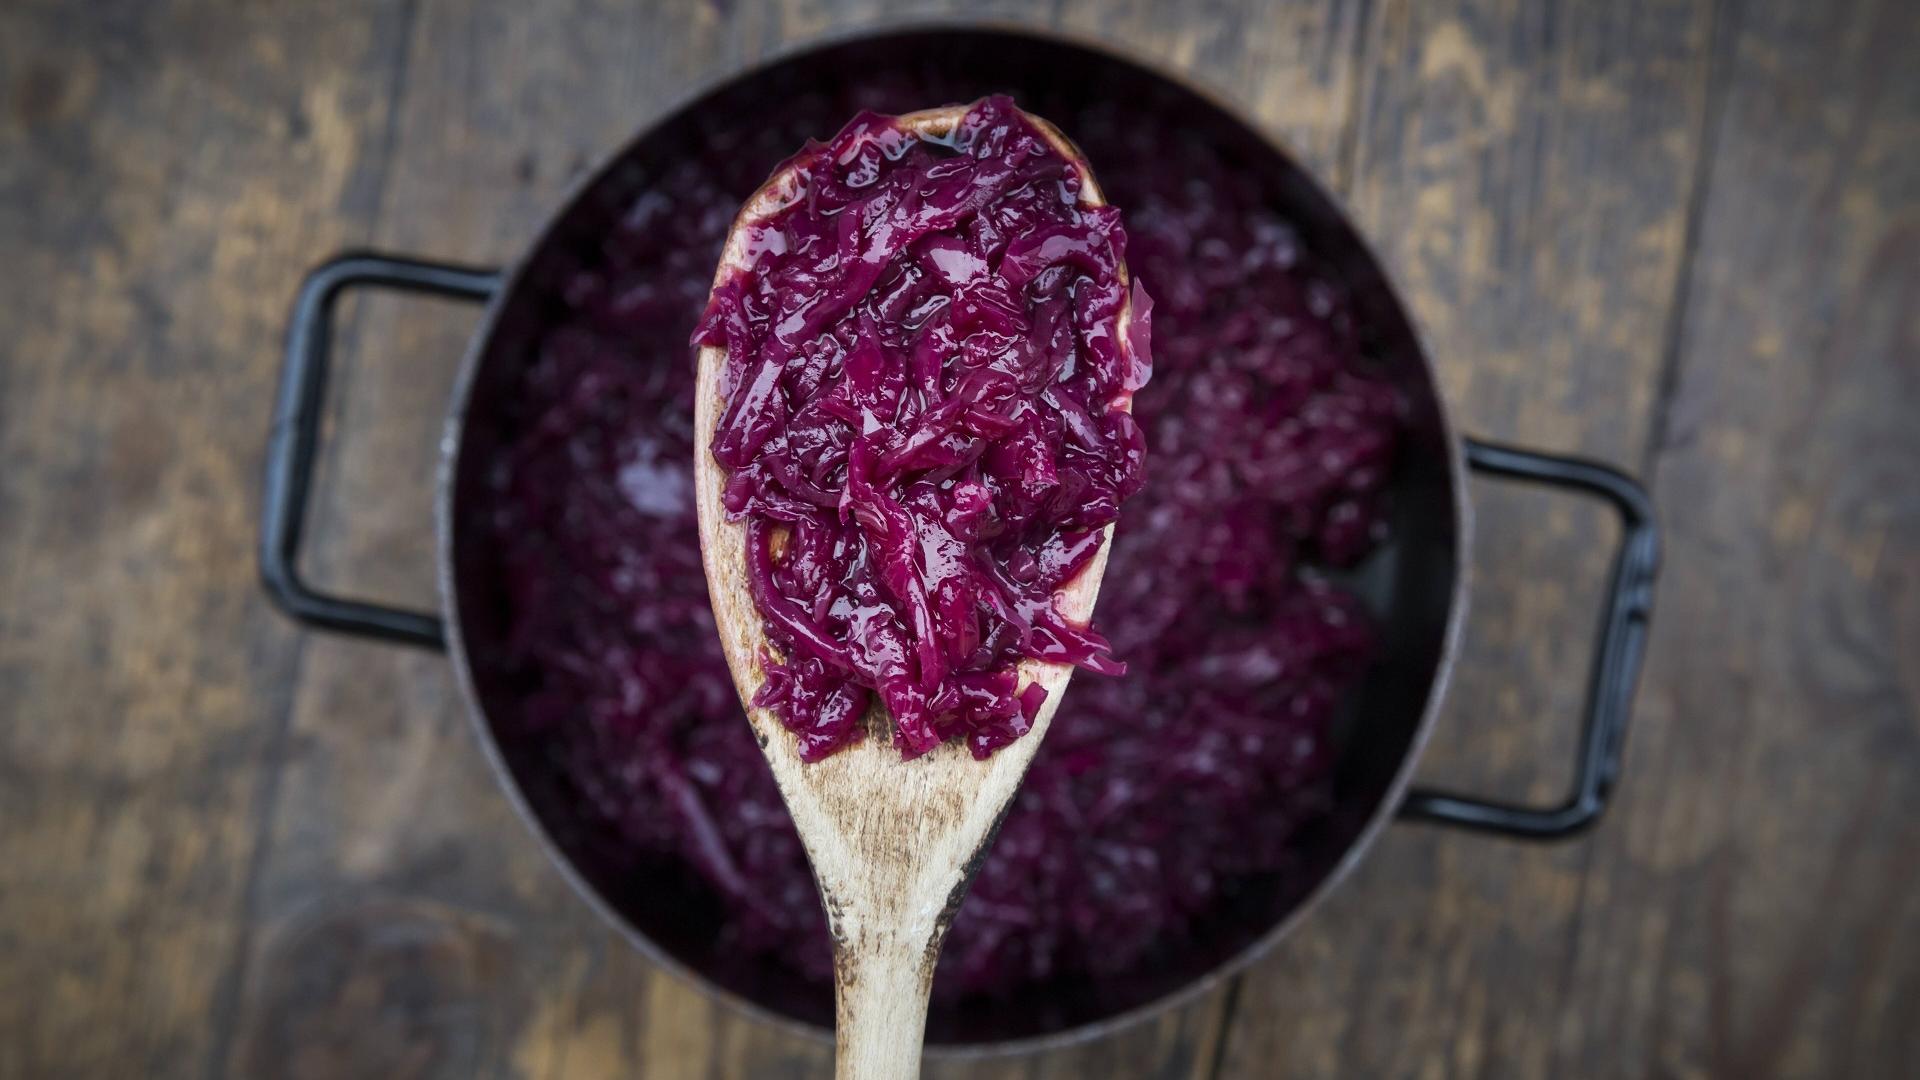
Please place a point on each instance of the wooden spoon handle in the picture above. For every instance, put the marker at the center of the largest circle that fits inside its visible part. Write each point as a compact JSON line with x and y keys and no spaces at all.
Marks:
{"x":881,"y":982}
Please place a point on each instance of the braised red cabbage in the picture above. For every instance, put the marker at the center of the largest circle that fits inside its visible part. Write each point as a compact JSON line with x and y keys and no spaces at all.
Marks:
{"x":925,"y":427}
{"x":1159,"y":795}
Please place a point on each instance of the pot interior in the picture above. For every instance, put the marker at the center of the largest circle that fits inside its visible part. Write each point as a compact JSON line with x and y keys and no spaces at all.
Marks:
{"x":1408,"y":584}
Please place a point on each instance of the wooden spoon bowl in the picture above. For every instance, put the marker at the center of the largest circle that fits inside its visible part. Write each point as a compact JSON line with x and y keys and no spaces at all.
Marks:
{"x":893,"y":843}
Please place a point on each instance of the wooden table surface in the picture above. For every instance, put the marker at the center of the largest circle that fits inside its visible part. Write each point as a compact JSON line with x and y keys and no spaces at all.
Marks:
{"x":1681,"y":235}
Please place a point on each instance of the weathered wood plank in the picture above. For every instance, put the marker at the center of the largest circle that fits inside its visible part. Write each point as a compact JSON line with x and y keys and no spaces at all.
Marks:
{"x":1751,"y":911}
{"x":166,"y":170}
{"x":1525,"y":170}
{"x":399,"y":900}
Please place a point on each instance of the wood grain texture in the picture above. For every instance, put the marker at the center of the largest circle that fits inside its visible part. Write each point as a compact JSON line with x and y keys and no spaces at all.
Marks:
{"x":229,"y":849}
{"x":1525,"y":170}
{"x":166,"y":174}
{"x":1752,"y":910}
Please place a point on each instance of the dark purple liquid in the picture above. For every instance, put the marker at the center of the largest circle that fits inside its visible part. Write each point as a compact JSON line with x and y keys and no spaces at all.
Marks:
{"x":1157,"y":793}
{"x":925,"y":429}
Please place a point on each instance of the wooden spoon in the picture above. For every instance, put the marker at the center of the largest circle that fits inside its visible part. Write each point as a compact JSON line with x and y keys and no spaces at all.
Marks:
{"x":893,"y":843}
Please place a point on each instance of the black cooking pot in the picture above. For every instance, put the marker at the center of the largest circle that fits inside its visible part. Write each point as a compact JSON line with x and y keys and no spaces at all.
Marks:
{"x":1417,"y":585}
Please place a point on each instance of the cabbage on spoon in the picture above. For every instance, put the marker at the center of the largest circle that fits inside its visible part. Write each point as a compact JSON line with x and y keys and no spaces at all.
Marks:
{"x":911,"y":440}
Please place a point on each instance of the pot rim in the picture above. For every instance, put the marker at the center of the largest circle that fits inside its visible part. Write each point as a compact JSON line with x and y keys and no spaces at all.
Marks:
{"x":448,"y":469}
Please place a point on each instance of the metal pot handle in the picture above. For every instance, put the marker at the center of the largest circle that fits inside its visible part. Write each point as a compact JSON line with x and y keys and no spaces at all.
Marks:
{"x":1616,"y":662}
{"x":294,"y":440}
